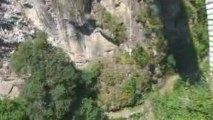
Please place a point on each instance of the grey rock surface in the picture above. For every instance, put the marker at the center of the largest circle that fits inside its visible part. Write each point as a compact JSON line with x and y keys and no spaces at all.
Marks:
{"x":69,"y":25}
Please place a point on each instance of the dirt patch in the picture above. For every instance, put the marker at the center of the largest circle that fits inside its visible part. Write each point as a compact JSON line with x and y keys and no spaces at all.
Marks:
{"x":169,"y":84}
{"x":145,"y":108}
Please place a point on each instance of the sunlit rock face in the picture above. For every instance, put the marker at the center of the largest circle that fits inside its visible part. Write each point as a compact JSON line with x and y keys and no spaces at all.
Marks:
{"x":127,"y":11}
{"x":14,"y":28}
{"x":68,"y":25}
{"x":9,"y":81}
{"x":72,"y":25}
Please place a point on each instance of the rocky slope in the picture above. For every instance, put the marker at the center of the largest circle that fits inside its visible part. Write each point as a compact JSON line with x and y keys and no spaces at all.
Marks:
{"x":14,"y":28}
{"x":84,"y":29}
{"x":70,"y":24}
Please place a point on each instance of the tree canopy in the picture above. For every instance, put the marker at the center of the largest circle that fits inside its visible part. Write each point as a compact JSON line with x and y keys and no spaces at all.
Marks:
{"x":51,"y":79}
{"x":11,"y":110}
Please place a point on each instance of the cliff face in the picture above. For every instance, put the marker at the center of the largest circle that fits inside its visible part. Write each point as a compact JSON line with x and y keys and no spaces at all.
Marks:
{"x":84,"y":29}
{"x":71,"y":24}
{"x":70,"y":27}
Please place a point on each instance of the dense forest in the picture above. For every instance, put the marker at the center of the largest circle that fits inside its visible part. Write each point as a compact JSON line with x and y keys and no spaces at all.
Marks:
{"x":55,"y":89}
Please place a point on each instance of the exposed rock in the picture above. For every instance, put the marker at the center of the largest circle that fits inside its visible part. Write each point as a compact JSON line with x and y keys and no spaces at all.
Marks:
{"x":9,"y":81}
{"x":125,"y":10}
{"x":68,"y":27}
{"x":5,"y":89}
{"x":66,"y":22}
{"x":14,"y":28}
{"x":97,"y":45}
{"x":10,"y":88}
{"x":14,"y":92}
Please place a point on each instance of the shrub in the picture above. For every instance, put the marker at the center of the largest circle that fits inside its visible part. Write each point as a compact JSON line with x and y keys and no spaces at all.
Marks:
{"x":11,"y":110}
{"x":89,"y":78}
{"x":137,"y":116}
{"x":128,"y":92}
{"x":125,"y":58}
{"x":148,"y":18}
{"x":121,"y":85}
{"x":92,"y":71}
{"x":170,"y":63}
{"x":109,"y":22}
{"x":140,"y":56}
{"x":119,"y":119}
{"x":198,"y":26}
{"x":49,"y":90}
{"x":89,"y":110}
{"x":185,"y":103}
{"x":156,"y":46}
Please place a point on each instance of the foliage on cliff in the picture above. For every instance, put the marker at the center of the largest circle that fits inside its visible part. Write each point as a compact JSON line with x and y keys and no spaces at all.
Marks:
{"x":111,"y":23}
{"x":55,"y":89}
{"x":186,"y":102}
{"x":11,"y":110}
{"x":198,"y":25}
{"x":89,"y":110}
{"x":50,"y":89}
{"x":121,"y":85}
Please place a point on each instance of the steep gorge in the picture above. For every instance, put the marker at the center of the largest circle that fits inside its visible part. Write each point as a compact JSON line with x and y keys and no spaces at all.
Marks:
{"x":121,"y":49}
{"x":86,"y":30}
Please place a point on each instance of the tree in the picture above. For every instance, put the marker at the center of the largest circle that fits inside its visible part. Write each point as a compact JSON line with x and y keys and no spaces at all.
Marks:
{"x":185,"y":103}
{"x":11,"y":110}
{"x":49,"y":90}
{"x":89,"y":110}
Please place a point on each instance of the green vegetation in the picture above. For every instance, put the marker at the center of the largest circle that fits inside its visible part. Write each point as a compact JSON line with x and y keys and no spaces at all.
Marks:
{"x":92,"y":71}
{"x":11,"y":110}
{"x":137,"y":116}
{"x":111,"y":23}
{"x":149,"y":17}
{"x":50,"y":90}
{"x":90,"y":76}
{"x":55,"y":90}
{"x":184,"y":103}
{"x":155,"y":48}
{"x":169,"y":64}
{"x":119,"y":119}
{"x":141,"y":57}
{"x":125,"y":58}
{"x":198,"y":25}
{"x":121,"y":85}
{"x":89,"y":111}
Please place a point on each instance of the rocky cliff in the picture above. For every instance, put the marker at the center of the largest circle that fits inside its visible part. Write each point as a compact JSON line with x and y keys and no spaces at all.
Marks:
{"x":71,"y":25}
{"x":84,"y":29}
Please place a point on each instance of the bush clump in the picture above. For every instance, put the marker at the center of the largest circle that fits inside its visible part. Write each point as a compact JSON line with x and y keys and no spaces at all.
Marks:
{"x":198,"y":26}
{"x":141,"y":57}
{"x":49,"y":89}
{"x":89,"y":110}
{"x":121,"y":85}
{"x":11,"y":110}
{"x":117,"y":28}
{"x":185,"y":103}
{"x":107,"y":21}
